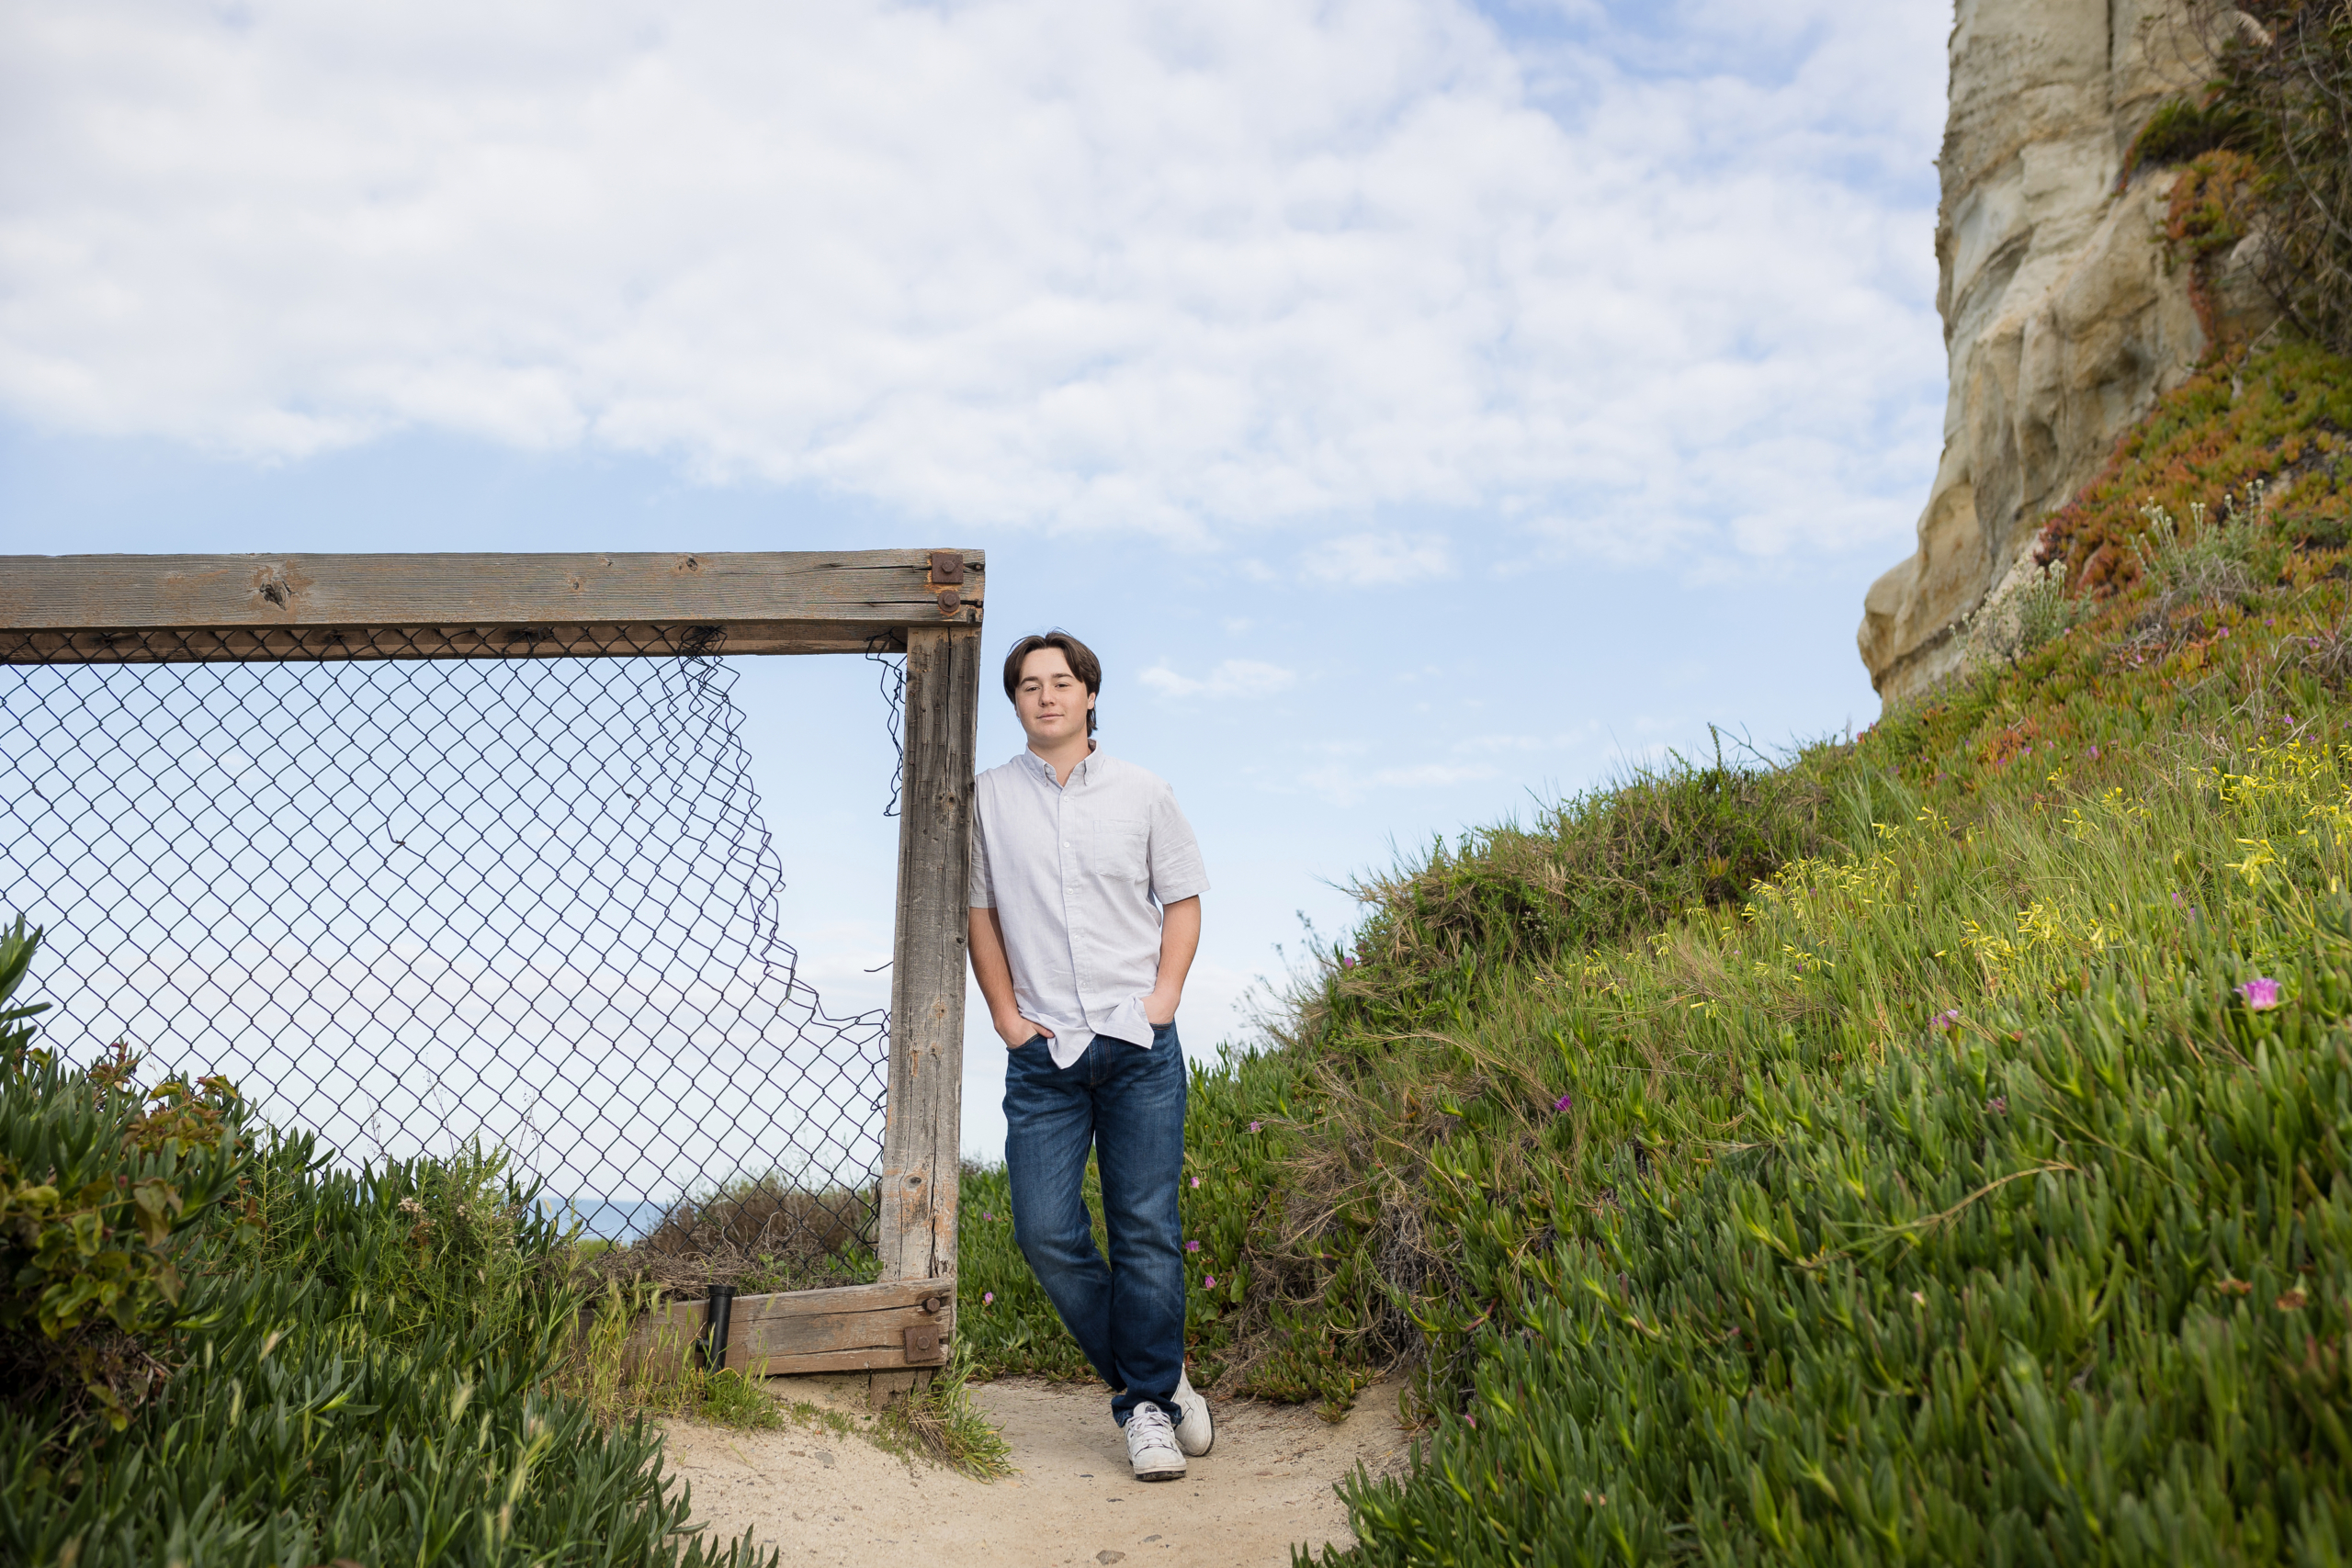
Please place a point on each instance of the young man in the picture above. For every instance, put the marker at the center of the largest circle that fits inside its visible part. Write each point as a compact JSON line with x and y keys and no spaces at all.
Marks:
{"x":1086,"y":911}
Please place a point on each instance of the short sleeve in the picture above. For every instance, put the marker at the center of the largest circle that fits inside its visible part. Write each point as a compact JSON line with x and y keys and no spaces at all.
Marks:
{"x":981,"y":894}
{"x":1176,"y":870}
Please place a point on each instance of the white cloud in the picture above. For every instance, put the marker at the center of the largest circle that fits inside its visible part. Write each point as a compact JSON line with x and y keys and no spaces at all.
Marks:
{"x":1233,"y":677}
{"x":1522,"y":744}
{"x":1344,"y":785}
{"x":1194,"y":269}
{"x":1378,"y":560}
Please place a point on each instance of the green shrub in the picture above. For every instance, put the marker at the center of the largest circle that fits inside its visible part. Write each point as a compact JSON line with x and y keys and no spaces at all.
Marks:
{"x":2285,"y":76}
{"x":2184,"y":128}
{"x":2209,"y":567}
{"x":100,"y":1186}
{"x":330,"y":1364}
{"x":2023,"y":621}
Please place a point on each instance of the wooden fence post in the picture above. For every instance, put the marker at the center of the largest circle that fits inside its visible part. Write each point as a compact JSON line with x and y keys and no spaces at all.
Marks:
{"x":920,"y":1141}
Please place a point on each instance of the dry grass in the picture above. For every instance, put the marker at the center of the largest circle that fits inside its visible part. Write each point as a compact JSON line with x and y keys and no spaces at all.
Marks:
{"x":757,"y":1236}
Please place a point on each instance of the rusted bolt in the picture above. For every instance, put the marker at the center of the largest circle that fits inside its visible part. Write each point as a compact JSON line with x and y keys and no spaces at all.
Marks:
{"x":950,"y":601}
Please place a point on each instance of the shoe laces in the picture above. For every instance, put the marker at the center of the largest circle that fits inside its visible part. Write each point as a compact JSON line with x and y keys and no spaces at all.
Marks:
{"x":1153,"y":1421}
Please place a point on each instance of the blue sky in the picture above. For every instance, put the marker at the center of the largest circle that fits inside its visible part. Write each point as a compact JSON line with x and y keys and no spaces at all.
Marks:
{"x":1423,"y":409}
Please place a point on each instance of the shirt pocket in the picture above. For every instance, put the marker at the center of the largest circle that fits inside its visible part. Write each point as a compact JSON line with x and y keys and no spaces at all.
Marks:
{"x":1119,"y":848}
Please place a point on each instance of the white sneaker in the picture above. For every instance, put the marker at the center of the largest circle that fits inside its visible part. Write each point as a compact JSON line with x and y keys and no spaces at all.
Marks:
{"x":1196,"y":1433}
{"x":1151,"y":1445}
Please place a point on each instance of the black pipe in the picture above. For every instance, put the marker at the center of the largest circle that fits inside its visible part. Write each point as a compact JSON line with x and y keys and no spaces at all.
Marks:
{"x":713,"y":1348}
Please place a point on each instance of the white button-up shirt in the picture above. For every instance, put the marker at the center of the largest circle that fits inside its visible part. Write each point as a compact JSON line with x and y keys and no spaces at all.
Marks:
{"x":1078,"y":874}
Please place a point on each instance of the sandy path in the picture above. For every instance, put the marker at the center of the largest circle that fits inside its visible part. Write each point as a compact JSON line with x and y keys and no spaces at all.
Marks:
{"x":833,"y":1499}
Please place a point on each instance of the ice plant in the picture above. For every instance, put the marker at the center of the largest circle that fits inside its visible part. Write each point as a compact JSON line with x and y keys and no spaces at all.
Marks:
{"x":1212,"y":1283}
{"x":1563,"y":1102}
{"x":988,"y":1298}
{"x":2261,"y":993}
{"x":1253,"y":1127}
{"x":1196,"y":1181}
{"x":1944,"y":1020}
{"x":1192,"y":1247}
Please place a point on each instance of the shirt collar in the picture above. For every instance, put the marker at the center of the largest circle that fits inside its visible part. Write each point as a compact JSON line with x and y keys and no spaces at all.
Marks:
{"x":1041,"y":768}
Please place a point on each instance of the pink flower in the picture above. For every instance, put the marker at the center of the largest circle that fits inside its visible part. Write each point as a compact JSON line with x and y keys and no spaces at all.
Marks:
{"x":985,"y":1215}
{"x":2094,"y":753}
{"x":1944,"y":1020}
{"x":1196,"y":1181}
{"x":1253,"y":1127}
{"x":1192,"y":1247}
{"x":1212,"y":1284}
{"x":988,"y":1298}
{"x":1565,"y":1101}
{"x":2261,"y":993}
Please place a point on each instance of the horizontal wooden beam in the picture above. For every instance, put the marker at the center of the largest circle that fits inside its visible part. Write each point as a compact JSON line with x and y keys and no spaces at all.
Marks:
{"x":118,"y":609}
{"x":853,"y":1328}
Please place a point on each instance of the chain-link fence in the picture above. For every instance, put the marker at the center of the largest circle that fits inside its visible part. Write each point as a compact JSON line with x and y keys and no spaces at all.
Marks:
{"x":412,"y":903}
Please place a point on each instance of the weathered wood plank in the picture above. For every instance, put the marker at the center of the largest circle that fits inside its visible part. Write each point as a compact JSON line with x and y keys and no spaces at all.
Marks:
{"x":916,"y":1237}
{"x":411,"y":606}
{"x":852,"y":1328}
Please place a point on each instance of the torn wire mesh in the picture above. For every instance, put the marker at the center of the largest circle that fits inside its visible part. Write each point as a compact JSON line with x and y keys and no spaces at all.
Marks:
{"x":411,"y":903}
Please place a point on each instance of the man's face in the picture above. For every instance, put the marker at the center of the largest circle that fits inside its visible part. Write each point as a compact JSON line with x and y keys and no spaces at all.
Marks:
{"x":1053,"y":704}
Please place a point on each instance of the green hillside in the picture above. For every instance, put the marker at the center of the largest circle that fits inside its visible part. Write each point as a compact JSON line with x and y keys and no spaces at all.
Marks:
{"x":1932,"y":1148}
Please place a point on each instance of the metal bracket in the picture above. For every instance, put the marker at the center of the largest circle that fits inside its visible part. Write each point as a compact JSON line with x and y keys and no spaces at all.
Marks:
{"x":923,"y":1343}
{"x":947,"y":578}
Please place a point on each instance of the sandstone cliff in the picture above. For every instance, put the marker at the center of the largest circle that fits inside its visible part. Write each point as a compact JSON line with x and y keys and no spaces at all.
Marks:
{"x":2064,"y":316}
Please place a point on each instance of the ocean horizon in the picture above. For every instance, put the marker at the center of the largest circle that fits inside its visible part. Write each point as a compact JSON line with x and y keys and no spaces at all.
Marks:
{"x":607,"y":1219}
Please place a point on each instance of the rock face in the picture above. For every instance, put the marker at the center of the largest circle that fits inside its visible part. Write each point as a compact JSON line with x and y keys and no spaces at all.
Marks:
{"x":2062,"y":319}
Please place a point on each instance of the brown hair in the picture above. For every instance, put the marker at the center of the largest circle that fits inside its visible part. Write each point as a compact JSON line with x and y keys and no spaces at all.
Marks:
{"x":1082,"y":664}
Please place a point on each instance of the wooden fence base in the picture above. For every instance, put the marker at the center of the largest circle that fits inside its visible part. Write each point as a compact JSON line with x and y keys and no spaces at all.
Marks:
{"x":855,"y":1328}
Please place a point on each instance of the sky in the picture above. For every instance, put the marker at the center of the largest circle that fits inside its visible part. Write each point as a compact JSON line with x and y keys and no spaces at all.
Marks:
{"x":1425,"y":409}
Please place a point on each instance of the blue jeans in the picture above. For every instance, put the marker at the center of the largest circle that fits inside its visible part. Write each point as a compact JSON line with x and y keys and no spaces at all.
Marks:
{"x":1127,"y":1104}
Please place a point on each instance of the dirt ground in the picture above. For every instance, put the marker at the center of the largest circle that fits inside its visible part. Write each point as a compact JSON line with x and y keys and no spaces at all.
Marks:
{"x":834,"y":1498}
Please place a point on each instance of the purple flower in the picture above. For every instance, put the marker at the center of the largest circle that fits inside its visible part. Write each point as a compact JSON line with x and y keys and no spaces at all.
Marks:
{"x":1196,"y":1181}
{"x":2094,"y":753}
{"x":1945,"y":1019}
{"x":988,"y":1298}
{"x":1253,"y":1127}
{"x":2261,"y":993}
{"x":1212,"y":1284}
{"x":985,"y":1215}
{"x":1192,"y":1247}
{"x":1563,"y":1102}
{"x":1349,"y":961}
